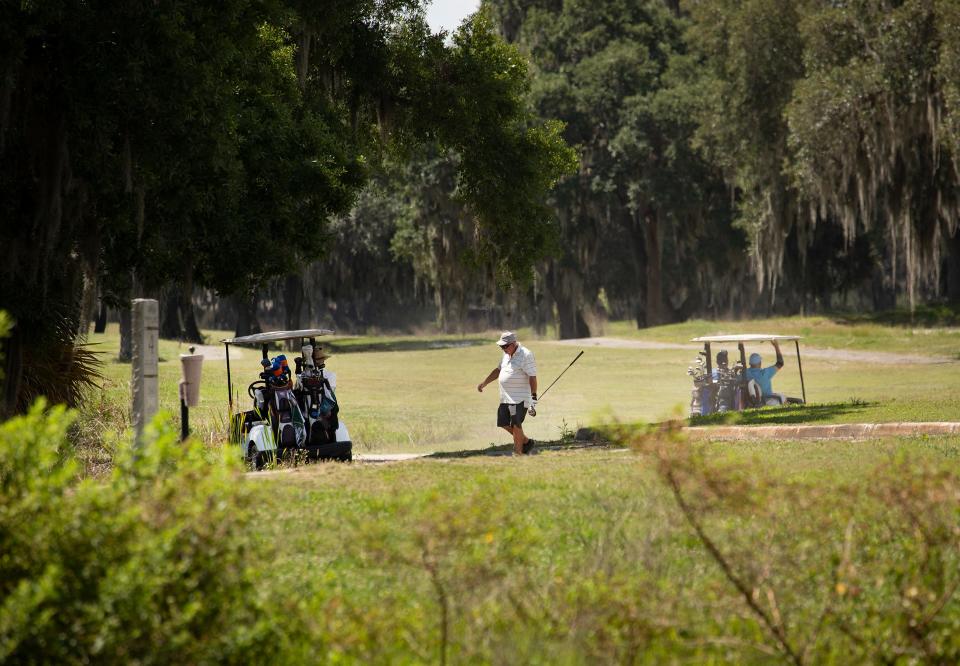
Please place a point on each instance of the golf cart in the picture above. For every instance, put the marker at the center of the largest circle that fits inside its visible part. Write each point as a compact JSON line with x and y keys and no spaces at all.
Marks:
{"x":295,"y":414}
{"x":726,"y":387}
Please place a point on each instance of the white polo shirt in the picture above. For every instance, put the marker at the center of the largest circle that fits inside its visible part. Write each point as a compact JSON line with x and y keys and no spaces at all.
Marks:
{"x":515,"y":374}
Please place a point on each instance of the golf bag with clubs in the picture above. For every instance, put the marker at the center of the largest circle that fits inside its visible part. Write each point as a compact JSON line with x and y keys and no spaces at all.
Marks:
{"x":276,"y":397}
{"x":702,"y":396}
{"x":728,"y":384}
{"x":317,"y":399}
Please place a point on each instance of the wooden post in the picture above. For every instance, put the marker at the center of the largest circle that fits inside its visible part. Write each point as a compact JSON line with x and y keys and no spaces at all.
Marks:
{"x":146,"y":328}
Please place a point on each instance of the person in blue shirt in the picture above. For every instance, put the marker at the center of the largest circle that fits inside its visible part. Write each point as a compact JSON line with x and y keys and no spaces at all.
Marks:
{"x":764,"y":376}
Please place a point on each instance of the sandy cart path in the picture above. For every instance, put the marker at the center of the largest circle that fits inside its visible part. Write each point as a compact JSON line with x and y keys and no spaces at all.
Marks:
{"x":852,"y":356}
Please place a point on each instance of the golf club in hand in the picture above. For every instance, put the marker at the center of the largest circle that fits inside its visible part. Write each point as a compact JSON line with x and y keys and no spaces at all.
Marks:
{"x":533,"y":408}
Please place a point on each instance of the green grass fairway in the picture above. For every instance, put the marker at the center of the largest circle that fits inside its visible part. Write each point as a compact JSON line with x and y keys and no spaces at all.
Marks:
{"x":579,"y":557}
{"x":419,"y":393}
{"x":586,"y":556}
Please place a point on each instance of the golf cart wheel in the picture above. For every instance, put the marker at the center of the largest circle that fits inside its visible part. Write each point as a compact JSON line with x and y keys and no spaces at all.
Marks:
{"x":346,"y":458}
{"x":256,"y":460}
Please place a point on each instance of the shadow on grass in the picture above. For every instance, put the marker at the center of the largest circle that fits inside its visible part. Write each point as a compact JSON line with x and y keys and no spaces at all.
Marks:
{"x":924,"y":316}
{"x":789,"y":414}
{"x":346,"y":346}
{"x":507,"y":449}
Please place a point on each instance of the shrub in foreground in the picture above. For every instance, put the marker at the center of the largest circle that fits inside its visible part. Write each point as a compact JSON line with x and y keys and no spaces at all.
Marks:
{"x":149,"y":565}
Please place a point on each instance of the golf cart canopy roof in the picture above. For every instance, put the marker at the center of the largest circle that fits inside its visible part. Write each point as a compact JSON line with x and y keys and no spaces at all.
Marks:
{"x":276,"y":336}
{"x":745,"y":337}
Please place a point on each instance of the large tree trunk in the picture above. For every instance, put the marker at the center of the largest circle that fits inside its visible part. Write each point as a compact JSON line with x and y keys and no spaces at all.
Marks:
{"x":566,"y":297}
{"x":178,"y":321}
{"x":638,"y":245}
{"x":247,"y":322}
{"x":293,"y":305}
{"x":170,"y":314}
{"x":88,"y":301}
{"x":570,"y":321}
{"x":191,"y":330}
{"x":292,"y":302}
{"x":126,"y":333}
{"x":883,"y":290}
{"x":652,"y":245}
{"x":953,"y":268}
{"x":12,"y":349}
{"x":100,"y":325}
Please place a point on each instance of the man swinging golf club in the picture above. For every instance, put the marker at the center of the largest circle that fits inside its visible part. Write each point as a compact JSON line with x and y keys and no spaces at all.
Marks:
{"x":517,"y":375}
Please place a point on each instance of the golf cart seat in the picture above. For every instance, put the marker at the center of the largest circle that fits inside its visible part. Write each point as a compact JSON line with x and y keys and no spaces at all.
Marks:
{"x":755,"y":399}
{"x":754,"y":395}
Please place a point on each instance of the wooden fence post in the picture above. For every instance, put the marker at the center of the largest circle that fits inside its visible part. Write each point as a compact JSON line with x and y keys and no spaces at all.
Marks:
{"x":145,"y":359}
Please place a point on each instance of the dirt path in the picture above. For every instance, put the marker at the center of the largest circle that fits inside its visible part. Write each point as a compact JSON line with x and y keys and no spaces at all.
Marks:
{"x":211,"y":352}
{"x":852,"y":356}
{"x":835,"y":431}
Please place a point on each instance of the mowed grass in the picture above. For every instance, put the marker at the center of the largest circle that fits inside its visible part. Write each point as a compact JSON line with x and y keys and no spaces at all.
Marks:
{"x":575,"y":557}
{"x":419,"y":394}
{"x":583,"y":556}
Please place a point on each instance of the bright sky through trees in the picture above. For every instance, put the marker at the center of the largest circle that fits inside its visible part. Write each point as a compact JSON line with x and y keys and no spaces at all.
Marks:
{"x":447,"y":14}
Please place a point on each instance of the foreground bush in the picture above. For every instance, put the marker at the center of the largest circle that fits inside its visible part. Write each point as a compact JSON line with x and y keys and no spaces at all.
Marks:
{"x":863,"y":569}
{"x":149,"y":565}
{"x":686,"y":552}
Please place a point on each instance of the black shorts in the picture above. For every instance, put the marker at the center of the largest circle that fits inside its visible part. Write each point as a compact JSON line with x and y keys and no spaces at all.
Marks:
{"x":505,"y":418}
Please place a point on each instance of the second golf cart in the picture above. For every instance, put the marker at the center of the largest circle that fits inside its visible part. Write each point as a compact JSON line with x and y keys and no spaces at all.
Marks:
{"x":723,"y":387}
{"x":295,"y":413}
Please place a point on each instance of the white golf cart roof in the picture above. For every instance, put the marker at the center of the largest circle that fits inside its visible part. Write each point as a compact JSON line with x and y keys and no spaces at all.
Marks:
{"x":746,"y":337}
{"x":262,"y":339}
{"x":276,"y":336}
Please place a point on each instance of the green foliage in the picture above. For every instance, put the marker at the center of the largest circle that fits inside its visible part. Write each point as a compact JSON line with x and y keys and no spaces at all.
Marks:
{"x":644,"y":210}
{"x":751,"y":57}
{"x":153,"y":563}
{"x":471,"y":98}
{"x":804,"y":551}
{"x":948,"y":69}
{"x":864,"y":568}
{"x":835,"y":124}
{"x":211,"y":147}
{"x":62,"y":370}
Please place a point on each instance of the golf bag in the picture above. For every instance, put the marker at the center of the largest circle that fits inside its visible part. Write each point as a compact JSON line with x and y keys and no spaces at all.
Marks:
{"x":287,"y":419}
{"x":701,"y":398}
{"x":285,"y":415}
{"x":319,"y":404}
{"x":728,"y":381}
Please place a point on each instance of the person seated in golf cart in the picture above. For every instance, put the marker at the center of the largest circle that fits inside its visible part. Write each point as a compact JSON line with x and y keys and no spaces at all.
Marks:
{"x":764,"y":378}
{"x":320,"y":360}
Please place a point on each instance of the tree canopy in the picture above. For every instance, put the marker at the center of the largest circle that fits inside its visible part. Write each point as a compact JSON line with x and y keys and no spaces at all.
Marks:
{"x":210,"y":145}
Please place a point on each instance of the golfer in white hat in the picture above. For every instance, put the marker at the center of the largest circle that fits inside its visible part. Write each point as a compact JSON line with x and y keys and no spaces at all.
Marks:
{"x":517,"y":375}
